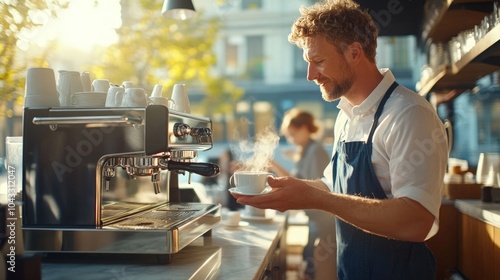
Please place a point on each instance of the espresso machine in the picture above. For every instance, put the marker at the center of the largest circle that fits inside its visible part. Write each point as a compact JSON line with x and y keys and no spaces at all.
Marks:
{"x":105,"y":180}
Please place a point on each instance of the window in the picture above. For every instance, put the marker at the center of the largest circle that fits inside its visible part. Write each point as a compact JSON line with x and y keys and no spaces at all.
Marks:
{"x":263,"y":115}
{"x":396,"y":53}
{"x":231,"y":60}
{"x":400,"y":52}
{"x":251,"y":4}
{"x":255,"y":56}
{"x":476,"y":124}
{"x":299,"y":65}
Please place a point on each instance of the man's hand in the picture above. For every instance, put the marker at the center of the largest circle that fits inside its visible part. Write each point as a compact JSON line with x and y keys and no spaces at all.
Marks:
{"x":287,"y":193}
{"x":397,"y":218}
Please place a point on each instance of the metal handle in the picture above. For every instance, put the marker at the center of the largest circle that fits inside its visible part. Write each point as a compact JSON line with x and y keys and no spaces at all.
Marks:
{"x":206,"y":169}
{"x":101,"y":120}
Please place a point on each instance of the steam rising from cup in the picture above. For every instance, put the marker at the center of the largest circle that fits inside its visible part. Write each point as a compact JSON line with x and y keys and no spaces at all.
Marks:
{"x":257,"y":155}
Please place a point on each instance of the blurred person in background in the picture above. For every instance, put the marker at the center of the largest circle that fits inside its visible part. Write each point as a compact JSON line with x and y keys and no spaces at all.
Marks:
{"x":310,"y":160}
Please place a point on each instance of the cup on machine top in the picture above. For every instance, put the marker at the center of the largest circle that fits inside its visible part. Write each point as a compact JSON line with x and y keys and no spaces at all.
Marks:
{"x":100,"y":85}
{"x":114,"y":96}
{"x":69,"y":82}
{"x":134,"y":97}
{"x":181,"y":99}
{"x":41,"y":88}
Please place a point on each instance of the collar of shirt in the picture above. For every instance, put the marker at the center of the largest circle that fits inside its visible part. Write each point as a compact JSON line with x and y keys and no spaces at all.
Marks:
{"x":369,"y":104}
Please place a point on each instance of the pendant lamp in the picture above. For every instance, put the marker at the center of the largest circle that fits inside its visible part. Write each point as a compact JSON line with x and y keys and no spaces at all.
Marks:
{"x":178,"y":9}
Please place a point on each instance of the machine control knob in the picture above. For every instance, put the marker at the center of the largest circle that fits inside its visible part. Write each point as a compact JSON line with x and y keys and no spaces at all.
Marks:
{"x":181,"y":130}
{"x":201,"y":131}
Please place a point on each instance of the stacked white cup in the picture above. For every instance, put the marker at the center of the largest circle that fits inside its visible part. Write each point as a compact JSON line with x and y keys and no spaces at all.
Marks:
{"x":157,"y":98}
{"x":181,"y":99}
{"x":86,"y":82}
{"x":134,"y":97}
{"x":157,"y":91}
{"x":100,"y":85}
{"x":41,"y":89}
{"x":96,"y":97}
{"x":114,"y":96}
{"x":69,"y":83}
{"x":128,"y":84}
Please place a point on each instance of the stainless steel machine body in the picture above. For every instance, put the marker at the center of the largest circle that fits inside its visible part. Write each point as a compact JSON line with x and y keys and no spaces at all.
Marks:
{"x":100,"y":180}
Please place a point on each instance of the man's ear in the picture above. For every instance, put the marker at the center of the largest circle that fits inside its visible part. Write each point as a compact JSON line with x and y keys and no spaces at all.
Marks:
{"x":354,"y":53}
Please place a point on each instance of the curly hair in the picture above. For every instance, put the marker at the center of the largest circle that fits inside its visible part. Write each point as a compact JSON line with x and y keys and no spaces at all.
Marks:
{"x":342,"y":22}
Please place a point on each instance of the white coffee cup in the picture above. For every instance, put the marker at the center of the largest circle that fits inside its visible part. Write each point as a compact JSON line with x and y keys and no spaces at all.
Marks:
{"x":488,"y":168}
{"x":37,"y":101}
{"x":86,"y":82}
{"x":160,"y":100}
{"x":134,"y":97}
{"x":69,"y":82}
{"x":114,"y":97}
{"x":233,"y":218}
{"x":156,"y":91}
{"x":181,"y":99}
{"x":250,"y":182}
{"x":41,"y":81}
{"x":88,"y":99}
{"x":127,"y":84}
{"x":100,"y":85}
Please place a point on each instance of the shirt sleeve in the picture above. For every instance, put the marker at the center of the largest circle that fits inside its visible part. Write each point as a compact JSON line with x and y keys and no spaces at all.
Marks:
{"x":417,"y":149}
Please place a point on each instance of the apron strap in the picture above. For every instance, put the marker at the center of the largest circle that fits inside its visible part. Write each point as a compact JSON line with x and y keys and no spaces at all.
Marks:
{"x":379,"y":110}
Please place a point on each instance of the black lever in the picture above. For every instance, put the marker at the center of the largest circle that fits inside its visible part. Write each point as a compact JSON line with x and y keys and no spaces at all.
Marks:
{"x":206,"y":169}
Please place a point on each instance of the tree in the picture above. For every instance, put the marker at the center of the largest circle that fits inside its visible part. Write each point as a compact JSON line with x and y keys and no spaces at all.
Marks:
{"x":18,"y":18}
{"x":155,"y":50}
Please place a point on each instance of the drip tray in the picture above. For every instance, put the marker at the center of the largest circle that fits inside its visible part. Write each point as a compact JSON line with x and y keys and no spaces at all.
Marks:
{"x":165,"y":216}
{"x":161,"y":229}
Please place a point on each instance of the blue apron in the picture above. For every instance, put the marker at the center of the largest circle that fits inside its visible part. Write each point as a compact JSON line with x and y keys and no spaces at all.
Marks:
{"x":361,"y":255}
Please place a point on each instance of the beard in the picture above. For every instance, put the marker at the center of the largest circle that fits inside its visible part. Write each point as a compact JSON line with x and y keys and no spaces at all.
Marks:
{"x":340,"y":86}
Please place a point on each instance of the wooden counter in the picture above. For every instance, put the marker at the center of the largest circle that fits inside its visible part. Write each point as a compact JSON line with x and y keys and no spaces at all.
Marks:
{"x":468,"y":240}
{"x":479,"y":239}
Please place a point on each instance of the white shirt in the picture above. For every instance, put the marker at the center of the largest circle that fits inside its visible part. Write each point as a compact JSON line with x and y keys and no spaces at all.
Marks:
{"x":410,"y":147}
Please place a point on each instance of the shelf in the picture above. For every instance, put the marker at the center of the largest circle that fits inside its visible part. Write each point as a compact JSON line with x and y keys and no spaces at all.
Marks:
{"x":481,"y":60}
{"x":486,"y":47}
{"x":426,"y":87}
{"x":453,"y":17}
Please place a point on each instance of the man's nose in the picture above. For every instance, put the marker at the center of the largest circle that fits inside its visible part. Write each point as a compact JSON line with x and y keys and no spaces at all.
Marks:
{"x":312,"y":73}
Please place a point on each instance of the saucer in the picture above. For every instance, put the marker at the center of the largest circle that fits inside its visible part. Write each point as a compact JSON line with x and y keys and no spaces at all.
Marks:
{"x":237,"y":191}
{"x":240,"y":224}
{"x":252,"y":218}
